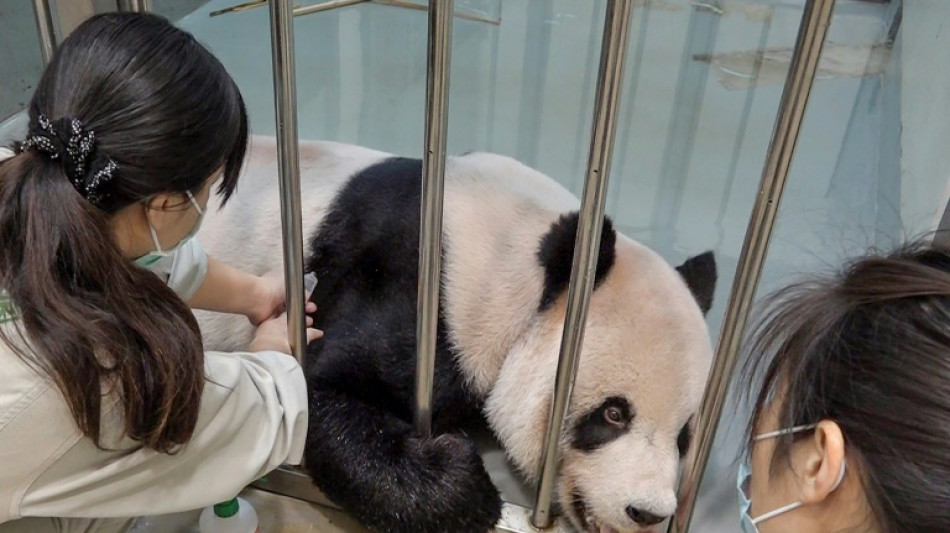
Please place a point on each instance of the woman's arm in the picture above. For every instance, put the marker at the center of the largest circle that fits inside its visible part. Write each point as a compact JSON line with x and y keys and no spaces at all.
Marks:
{"x":227,"y":289}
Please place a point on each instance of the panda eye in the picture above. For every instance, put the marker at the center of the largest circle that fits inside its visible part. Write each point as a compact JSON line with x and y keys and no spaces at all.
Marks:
{"x":613,"y":415}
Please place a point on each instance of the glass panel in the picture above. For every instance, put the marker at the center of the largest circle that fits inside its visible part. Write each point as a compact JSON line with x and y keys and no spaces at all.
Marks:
{"x":870,"y":170}
{"x":702,"y":85}
{"x":22,"y":63}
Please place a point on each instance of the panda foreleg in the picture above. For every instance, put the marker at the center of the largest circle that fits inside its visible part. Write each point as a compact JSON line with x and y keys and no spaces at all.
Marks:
{"x":368,"y":460}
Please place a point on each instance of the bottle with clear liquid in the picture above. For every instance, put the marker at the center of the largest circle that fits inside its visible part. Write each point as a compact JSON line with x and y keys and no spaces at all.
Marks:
{"x":233,"y":516}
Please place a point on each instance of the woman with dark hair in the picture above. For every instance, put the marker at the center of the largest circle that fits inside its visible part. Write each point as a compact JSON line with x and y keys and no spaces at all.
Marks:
{"x":851,"y":429}
{"x":109,"y":407}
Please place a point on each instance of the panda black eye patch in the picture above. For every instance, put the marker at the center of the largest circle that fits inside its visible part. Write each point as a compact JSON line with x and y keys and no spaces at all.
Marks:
{"x":684,"y":439}
{"x":603,"y":424}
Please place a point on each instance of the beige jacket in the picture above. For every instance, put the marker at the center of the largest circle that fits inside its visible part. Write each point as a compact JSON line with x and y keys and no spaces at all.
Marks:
{"x":253,"y":417}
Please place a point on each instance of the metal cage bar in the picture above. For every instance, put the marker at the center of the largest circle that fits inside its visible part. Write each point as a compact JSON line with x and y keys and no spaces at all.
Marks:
{"x":430,"y":224}
{"x":137,"y":6}
{"x":801,"y":76}
{"x":941,"y":238}
{"x":337,"y":4}
{"x":45,"y":27}
{"x":285,"y":102}
{"x":587,"y":241}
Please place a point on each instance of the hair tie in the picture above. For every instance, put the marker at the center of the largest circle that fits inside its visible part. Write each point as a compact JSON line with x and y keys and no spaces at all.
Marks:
{"x":70,"y":143}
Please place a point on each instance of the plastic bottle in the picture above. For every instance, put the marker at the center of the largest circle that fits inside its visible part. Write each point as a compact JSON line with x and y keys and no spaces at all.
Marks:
{"x":232,"y":516}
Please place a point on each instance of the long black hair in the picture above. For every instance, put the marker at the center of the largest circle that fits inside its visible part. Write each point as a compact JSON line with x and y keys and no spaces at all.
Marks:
{"x":868,"y":348}
{"x":166,"y":116}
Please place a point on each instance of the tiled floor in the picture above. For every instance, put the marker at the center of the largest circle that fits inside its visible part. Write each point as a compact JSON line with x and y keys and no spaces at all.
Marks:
{"x":280,"y":514}
{"x":277,"y":514}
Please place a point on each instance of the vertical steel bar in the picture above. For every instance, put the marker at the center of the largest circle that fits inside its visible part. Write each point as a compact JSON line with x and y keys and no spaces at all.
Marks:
{"x":587,"y":241}
{"x":45,"y":28}
{"x":801,"y":76}
{"x":136,"y":6}
{"x":285,"y":102}
{"x":941,"y":238}
{"x":430,"y":228}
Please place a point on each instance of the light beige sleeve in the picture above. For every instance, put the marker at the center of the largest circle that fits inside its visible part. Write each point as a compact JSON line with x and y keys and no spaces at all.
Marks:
{"x":253,"y":418}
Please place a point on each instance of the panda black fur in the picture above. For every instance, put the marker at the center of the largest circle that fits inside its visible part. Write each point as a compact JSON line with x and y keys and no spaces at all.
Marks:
{"x":361,"y":450}
{"x":507,"y":249}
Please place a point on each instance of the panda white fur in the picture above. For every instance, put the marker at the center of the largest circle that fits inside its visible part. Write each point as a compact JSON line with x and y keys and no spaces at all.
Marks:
{"x":508,"y":244}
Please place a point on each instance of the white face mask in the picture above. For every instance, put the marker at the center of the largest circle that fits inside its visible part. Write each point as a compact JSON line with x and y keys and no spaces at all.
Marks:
{"x":745,"y":472}
{"x":154,"y":256}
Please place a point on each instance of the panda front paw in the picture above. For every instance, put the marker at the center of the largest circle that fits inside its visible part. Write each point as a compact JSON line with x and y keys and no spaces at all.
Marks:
{"x":463,"y":497}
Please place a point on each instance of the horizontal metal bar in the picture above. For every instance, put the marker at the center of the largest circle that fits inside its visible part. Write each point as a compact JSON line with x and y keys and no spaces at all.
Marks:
{"x":413,"y":5}
{"x":326,"y":6}
{"x":587,"y":241}
{"x":430,"y":228}
{"x":294,"y":483}
{"x":239,"y":7}
{"x":291,"y":482}
{"x":801,"y":76}
{"x":336,"y":4}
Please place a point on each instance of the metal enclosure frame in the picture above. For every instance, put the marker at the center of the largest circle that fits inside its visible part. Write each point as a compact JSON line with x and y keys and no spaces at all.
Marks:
{"x":801,"y":75}
{"x":46,"y":28}
{"x":139,"y":6}
{"x":587,"y":242}
{"x":811,"y":36}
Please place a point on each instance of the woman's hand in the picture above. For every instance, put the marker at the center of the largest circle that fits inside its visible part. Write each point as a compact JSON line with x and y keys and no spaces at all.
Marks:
{"x":272,"y":335}
{"x":269,"y":299}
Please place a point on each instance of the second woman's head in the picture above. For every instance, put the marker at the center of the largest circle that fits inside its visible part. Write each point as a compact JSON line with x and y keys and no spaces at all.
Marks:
{"x":852,"y":420}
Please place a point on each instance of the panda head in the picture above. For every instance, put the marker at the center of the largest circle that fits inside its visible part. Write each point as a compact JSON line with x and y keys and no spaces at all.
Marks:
{"x":643,"y":364}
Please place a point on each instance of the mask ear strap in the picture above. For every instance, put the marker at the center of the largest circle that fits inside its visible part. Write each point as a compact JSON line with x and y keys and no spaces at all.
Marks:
{"x":840,"y":475}
{"x":195,"y":203}
{"x":151,"y":229}
{"x":780,"y":432}
{"x":773,"y":514}
{"x":795,"y":505}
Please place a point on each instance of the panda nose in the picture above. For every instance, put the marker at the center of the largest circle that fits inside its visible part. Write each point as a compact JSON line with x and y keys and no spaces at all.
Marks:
{"x":643,"y":518}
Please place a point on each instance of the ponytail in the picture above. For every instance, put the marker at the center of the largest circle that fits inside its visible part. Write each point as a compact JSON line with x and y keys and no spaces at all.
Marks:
{"x":153,"y":112}
{"x":88,"y":316}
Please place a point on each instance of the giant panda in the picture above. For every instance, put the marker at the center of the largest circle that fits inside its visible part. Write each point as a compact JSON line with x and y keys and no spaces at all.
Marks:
{"x":507,"y":250}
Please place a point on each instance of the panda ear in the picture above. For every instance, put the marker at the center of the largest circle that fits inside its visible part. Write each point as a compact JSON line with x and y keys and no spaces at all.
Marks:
{"x":556,"y":255}
{"x":699,"y":272}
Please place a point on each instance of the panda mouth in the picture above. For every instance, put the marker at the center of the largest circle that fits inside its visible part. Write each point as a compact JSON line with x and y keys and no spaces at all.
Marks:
{"x":586,"y":518}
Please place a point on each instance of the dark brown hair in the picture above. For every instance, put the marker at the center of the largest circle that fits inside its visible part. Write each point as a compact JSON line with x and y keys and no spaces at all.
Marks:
{"x":169,"y":116}
{"x":868,"y":348}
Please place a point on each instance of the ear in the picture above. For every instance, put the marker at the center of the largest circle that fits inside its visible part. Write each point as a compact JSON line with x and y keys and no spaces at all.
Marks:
{"x":556,"y":255}
{"x":699,"y":272}
{"x":159,"y":210}
{"x":824,"y":463}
